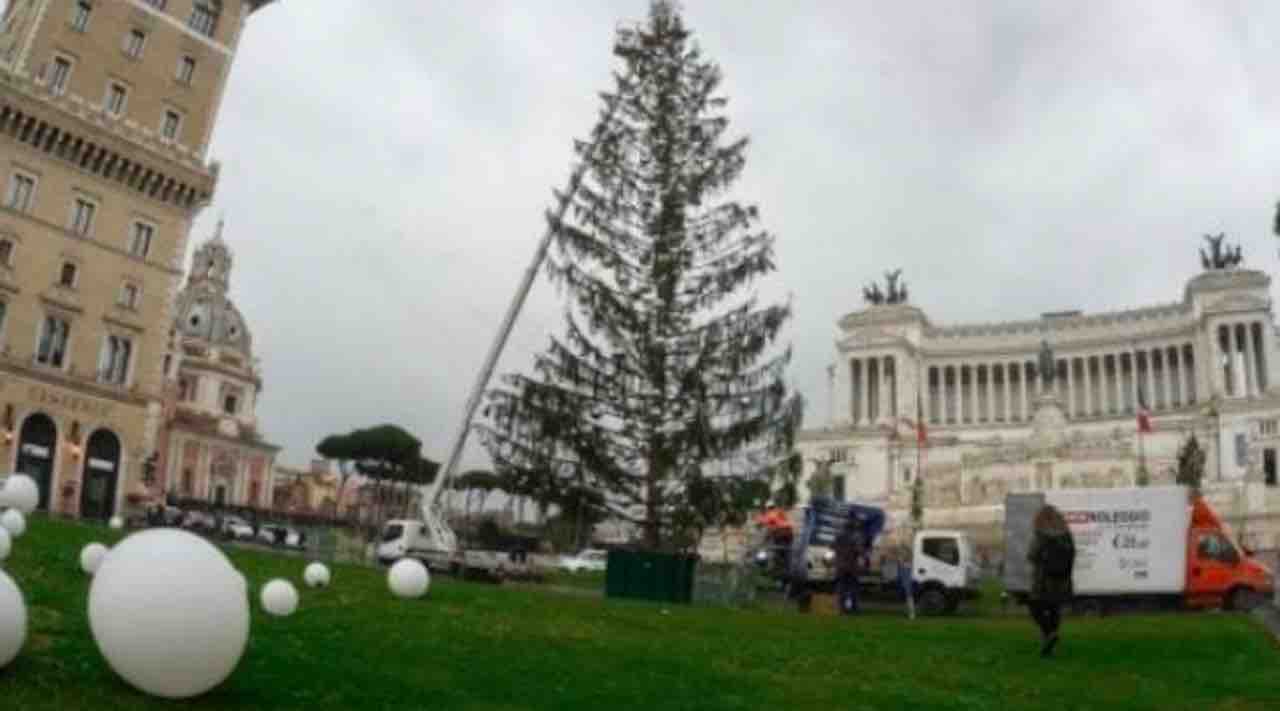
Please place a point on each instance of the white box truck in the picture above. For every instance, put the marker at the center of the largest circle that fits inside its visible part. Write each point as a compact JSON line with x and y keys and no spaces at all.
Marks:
{"x":1152,"y":546}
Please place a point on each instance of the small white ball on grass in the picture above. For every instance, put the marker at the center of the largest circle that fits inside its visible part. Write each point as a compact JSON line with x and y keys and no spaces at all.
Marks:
{"x":279,"y":598}
{"x":21,"y":493}
{"x":91,"y":557}
{"x":169,"y":613}
{"x":14,"y":522}
{"x":13,"y":620}
{"x":116,"y":523}
{"x":316,"y":575}
{"x":6,"y":543}
{"x":408,"y":578}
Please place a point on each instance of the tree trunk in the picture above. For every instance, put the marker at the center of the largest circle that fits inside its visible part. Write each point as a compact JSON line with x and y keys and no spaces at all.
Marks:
{"x":652,"y":537}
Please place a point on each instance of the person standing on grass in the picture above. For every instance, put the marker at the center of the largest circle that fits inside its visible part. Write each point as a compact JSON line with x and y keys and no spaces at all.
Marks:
{"x":849,"y":550}
{"x":1052,"y":556}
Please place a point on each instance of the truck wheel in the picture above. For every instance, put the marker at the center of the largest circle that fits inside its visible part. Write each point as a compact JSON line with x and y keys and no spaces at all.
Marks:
{"x":933,"y":602}
{"x":953,"y":604}
{"x":1243,"y":600}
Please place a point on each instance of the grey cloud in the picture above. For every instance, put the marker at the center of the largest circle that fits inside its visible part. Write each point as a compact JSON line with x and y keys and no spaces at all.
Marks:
{"x":386,"y":166}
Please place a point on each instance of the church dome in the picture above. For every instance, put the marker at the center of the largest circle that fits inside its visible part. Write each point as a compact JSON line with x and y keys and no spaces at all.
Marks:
{"x":204,"y":311}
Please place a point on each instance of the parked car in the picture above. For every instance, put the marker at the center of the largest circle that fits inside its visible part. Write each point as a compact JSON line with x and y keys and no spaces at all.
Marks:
{"x":590,"y":559}
{"x":172,"y":516}
{"x":237,"y":528}
{"x":199,"y":520}
{"x":293,"y":538}
{"x":271,"y":534}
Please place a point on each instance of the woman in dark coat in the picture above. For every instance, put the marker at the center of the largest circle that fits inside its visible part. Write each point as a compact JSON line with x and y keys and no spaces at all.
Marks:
{"x":1052,"y":557}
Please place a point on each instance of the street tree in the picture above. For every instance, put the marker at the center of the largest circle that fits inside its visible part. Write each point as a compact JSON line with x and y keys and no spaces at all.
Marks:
{"x":338,"y":448}
{"x":388,"y":456}
{"x":917,"y":503}
{"x":785,"y":480}
{"x":1191,"y":459}
{"x":821,"y":482}
{"x":668,"y":365}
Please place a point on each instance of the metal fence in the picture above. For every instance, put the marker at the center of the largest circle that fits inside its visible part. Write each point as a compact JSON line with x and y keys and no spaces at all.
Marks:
{"x":729,"y":584}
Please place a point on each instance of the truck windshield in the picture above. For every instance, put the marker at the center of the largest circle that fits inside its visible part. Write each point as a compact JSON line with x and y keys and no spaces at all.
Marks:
{"x":943,"y":549}
{"x":392,"y":532}
{"x":1215,"y":546}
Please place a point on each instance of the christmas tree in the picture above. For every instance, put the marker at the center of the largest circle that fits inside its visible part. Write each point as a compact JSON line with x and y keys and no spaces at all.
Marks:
{"x":666,"y":371}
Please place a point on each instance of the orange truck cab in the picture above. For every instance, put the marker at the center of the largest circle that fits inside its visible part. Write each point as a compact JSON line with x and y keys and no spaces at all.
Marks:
{"x":1219,"y":574}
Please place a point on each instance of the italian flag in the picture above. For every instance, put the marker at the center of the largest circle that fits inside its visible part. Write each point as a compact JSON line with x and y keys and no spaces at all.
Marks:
{"x":1144,"y":413}
{"x":917,"y":424}
{"x":921,"y":434}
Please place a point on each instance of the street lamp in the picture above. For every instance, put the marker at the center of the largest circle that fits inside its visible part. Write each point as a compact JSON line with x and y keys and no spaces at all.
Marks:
{"x":1214,"y":410}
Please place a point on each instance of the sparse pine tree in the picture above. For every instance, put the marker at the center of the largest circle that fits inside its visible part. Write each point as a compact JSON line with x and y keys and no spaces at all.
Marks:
{"x":917,"y":502}
{"x":666,"y":369}
{"x":1191,"y":460}
{"x":821,"y":482}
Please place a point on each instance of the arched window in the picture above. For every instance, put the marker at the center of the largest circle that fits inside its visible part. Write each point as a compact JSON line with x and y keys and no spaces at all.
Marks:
{"x":204,"y":16}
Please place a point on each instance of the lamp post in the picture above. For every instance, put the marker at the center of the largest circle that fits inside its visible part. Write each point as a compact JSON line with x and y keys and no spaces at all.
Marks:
{"x":1214,"y":410}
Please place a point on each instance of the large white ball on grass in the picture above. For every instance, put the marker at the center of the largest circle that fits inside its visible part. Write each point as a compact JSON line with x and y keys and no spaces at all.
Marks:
{"x":279,"y":598}
{"x":316,"y":575}
{"x":13,"y":620}
{"x":116,"y":523}
{"x":91,"y":557}
{"x":6,"y":543}
{"x":169,"y":613}
{"x":408,"y":578}
{"x":14,"y":522}
{"x":20,"y":492}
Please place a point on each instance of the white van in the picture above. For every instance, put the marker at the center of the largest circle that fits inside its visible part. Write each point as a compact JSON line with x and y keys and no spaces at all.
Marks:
{"x":411,"y":538}
{"x":944,"y":570}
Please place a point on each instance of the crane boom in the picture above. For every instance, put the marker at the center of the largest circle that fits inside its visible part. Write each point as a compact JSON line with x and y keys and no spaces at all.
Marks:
{"x":432,"y":498}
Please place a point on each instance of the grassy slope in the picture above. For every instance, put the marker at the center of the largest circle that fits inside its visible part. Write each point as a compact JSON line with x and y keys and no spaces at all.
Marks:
{"x":471,"y":646}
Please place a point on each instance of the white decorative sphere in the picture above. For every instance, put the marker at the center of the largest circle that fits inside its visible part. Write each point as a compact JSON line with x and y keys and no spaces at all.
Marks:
{"x":21,"y":492}
{"x":169,"y":613}
{"x":14,"y":522}
{"x":91,"y":557}
{"x":408,"y":578}
{"x":316,"y":575}
{"x":116,"y":523}
{"x":279,"y":598}
{"x":13,"y":620}
{"x":6,"y":543}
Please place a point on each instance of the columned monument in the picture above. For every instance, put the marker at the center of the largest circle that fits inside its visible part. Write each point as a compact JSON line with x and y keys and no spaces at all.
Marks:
{"x":1052,"y":402}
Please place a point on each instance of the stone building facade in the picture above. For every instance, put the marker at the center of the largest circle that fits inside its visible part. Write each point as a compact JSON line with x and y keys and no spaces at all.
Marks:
{"x":210,"y":447}
{"x":106,"y":110}
{"x":1205,"y":366}
{"x":308,"y":491}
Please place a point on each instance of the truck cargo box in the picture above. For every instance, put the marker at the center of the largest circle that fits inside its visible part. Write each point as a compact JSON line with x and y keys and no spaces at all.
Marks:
{"x":1129,"y":541}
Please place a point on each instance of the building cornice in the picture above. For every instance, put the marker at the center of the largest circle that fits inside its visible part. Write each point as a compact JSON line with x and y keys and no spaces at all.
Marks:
{"x":883,"y":315}
{"x":1227,"y":280}
{"x":191,"y":432}
{"x":116,"y":150}
{"x":1038,"y":328}
{"x":208,"y":366}
{"x":132,"y":396}
{"x":1211,"y":293}
{"x":1092,"y":344}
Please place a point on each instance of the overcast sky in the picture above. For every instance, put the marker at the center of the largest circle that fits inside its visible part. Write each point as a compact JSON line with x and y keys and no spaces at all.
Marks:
{"x":385,"y":167}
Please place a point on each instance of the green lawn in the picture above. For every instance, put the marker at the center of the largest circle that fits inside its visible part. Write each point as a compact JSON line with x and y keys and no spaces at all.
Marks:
{"x":475,"y":646}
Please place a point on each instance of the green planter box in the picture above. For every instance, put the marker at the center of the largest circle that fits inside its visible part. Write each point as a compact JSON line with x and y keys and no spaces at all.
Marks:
{"x":643,"y":575}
